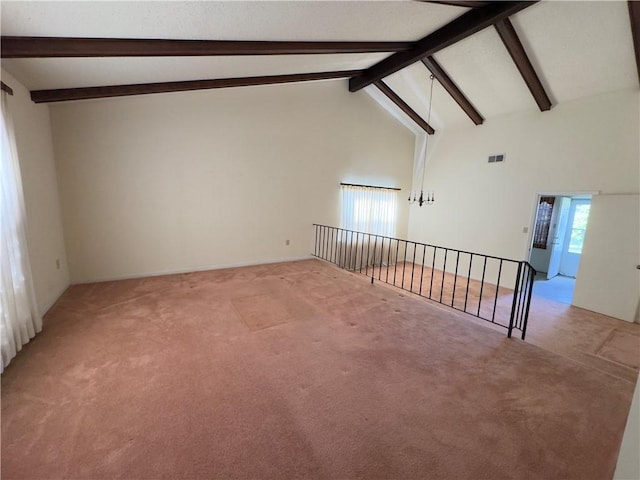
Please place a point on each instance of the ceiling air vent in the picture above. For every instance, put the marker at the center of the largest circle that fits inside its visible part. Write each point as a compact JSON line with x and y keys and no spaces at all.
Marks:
{"x":497,"y":158}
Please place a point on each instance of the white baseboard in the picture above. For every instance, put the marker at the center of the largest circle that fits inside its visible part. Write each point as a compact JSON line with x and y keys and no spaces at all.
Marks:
{"x":189,"y":270}
{"x":47,"y":307}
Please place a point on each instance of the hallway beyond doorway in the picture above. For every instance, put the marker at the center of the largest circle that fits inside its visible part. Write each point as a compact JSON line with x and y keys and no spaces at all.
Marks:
{"x":558,"y":288}
{"x":559,"y":230}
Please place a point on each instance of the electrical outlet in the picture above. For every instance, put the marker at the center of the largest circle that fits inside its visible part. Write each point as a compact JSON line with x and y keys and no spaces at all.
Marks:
{"x":57,"y":264}
{"x":286,"y":242}
{"x":525,"y":229}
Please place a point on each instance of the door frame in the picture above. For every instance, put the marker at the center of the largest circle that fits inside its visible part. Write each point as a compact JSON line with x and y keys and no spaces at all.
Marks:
{"x":534,"y":211}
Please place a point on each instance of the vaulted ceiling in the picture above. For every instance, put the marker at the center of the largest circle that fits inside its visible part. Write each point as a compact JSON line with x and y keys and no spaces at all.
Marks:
{"x":493,"y":58}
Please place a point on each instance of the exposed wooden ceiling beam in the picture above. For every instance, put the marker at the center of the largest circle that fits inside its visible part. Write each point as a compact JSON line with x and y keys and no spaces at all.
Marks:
{"x":516,"y":50}
{"x":66,"y":94}
{"x":384,"y":88}
{"x":6,"y":88}
{"x":459,"y":3}
{"x":634,"y":16}
{"x":453,"y":90}
{"x":467,"y":24}
{"x":46,"y":47}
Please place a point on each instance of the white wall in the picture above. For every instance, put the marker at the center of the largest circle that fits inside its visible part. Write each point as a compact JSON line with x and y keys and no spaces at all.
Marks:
{"x":177,"y":182}
{"x":540,"y":259}
{"x":44,"y":219}
{"x":580,"y":146}
{"x":608,"y":281}
{"x":628,"y":467}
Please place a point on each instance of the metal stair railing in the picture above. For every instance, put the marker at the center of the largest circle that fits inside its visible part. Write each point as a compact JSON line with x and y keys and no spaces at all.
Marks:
{"x":491,"y":288}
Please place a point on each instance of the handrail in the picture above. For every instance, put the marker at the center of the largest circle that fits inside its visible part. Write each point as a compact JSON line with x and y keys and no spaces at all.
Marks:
{"x":420,"y":243}
{"x":337,"y":245}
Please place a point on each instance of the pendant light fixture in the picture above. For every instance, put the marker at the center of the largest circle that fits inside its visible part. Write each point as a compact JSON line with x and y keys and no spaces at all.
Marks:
{"x":428,"y":197}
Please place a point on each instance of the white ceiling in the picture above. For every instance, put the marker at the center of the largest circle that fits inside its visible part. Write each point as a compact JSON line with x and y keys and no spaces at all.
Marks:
{"x":484,"y":71}
{"x":230,"y":20}
{"x":45,"y":73}
{"x":578,"y":48}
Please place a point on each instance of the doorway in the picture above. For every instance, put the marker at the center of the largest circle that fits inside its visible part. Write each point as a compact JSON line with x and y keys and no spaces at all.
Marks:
{"x":558,"y":234}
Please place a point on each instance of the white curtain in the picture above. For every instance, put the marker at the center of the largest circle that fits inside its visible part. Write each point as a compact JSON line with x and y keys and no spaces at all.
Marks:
{"x":369,"y":210}
{"x":20,"y":318}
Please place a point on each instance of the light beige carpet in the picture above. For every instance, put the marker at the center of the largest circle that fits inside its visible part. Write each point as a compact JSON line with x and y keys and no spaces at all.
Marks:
{"x":295,"y":370}
{"x":622,"y":347}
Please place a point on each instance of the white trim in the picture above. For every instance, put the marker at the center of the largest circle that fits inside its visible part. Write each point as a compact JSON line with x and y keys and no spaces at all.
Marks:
{"x":568,"y":193}
{"x":620,"y":194}
{"x":534,"y":211}
{"x":193,"y":269}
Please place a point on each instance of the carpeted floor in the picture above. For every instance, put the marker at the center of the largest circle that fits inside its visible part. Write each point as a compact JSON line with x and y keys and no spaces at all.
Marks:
{"x":602,"y":342}
{"x":302,"y":370}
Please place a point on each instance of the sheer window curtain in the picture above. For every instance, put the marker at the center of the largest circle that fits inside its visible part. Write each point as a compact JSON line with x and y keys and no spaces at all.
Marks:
{"x":20,"y":318}
{"x":368,"y":210}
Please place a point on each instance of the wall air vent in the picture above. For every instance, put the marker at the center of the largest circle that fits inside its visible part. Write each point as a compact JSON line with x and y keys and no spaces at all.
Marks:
{"x":497,"y":158}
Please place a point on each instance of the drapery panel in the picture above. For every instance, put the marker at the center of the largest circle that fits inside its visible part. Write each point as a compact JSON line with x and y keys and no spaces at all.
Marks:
{"x":20,"y":320}
{"x":370,"y":210}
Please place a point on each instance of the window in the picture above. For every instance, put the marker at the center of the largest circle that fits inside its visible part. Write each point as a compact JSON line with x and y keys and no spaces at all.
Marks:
{"x":19,"y":318}
{"x":369,"y":209}
{"x":543,"y":222}
{"x":578,"y":227}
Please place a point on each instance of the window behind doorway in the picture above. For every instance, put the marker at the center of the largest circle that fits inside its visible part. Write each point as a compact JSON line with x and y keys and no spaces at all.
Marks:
{"x":543,"y":222}
{"x":579,"y":227}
